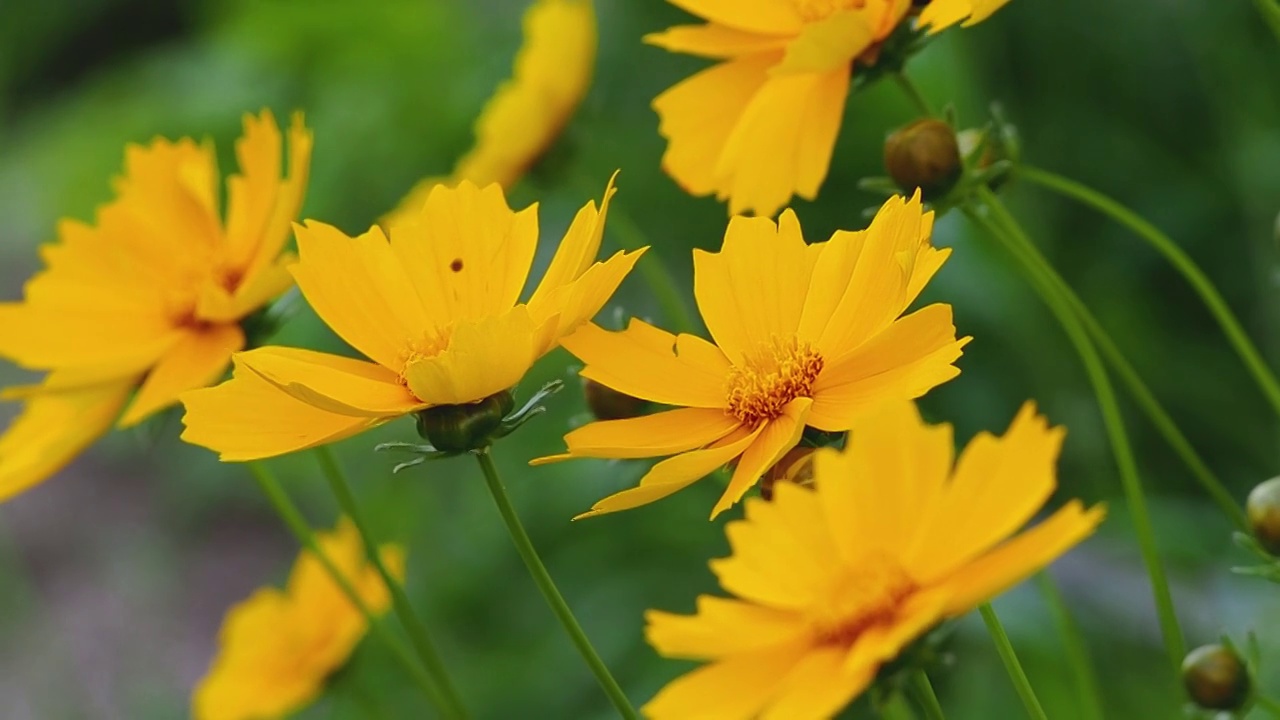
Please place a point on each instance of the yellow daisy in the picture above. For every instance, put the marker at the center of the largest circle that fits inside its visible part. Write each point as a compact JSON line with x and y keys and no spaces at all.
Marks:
{"x":805,"y":335}
{"x":832,"y":583}
{"x":524,"y":117}
{"x":436,"y":309}
{"x":151,"y":296}
{"x":760,"y":126}
{"x":277,"y":648}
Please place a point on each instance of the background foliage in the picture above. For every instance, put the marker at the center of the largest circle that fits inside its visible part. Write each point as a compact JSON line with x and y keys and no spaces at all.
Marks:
{"x":114,"y":574}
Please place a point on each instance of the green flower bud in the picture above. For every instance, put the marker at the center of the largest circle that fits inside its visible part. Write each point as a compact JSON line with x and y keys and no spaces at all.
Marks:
{"x":925,"y":155}
{"x":1263,"y":509}
{"x":608,"y":404}
{"x":463,"y":428}
{"x":1216,"y":678}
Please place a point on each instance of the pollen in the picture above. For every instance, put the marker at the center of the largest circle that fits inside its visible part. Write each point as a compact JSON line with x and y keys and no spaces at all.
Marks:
{"x":865,"y":595}
{"x":778,"y":372}
{"x":429,"y":345}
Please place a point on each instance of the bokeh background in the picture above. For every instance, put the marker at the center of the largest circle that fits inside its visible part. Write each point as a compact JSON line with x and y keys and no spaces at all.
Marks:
{"x":114,"y":574}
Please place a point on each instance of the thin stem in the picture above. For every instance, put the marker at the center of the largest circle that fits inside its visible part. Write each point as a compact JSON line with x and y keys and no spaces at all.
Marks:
{"x":896,"y":708}
{"x":548,"y":587}
{"x":661,"y":282}
{"x":912,"y":92}
{"x":1183,"y":263}
{"x":1011,"y":664}
{"x":418,"y":634}
{"x":293,"y":519}
{"x":926,"y":698}
{"x":1271,"y":706}
{"x":1270,"y":10}
{"x":1073,"y":644}
{"x":1009,"y":233}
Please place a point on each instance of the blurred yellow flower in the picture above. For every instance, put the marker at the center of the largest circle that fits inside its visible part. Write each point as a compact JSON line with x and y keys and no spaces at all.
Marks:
{"x":277,"y":648}
{"x":437,"y":310}
{"x":151,"y":296}
{"x":524,"y":117}
{"x":760,"y":126}
{"x":832,"y":583}
{"x":804,"y":335}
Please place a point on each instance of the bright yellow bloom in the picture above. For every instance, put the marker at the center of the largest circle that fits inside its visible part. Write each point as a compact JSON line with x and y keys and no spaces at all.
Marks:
{"x":151,"y":296}
{"x":435,"y":307}
{"x":278,"y":647}
{"x":832,"y":583}
{"x":804,"y":335}
{"x":524,"y":117}
{"x":761,"y":126}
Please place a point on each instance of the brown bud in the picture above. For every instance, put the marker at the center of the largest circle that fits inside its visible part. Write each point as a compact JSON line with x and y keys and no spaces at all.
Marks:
{"x":796,"y":466}
{"x":1263,"y":509}
{"x":925,"y":155}
{"x":609,"y":404}
{"x":1215,"y":678}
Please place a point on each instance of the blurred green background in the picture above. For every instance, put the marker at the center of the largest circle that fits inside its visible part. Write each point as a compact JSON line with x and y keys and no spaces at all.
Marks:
{"x":114,"y":574}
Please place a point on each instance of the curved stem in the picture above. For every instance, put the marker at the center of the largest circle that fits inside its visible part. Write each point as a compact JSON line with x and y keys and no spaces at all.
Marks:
{"x":1073,"y":644}
{"x":1011,"y":664}
{"x":1185,"y":266}
{"x":548,"y":587}
{"x":1006,"y":230}
{"x":912,"y":92}
{"x":293,"y":519}
{"x":926,"y":698}
{"x":418,"y":634}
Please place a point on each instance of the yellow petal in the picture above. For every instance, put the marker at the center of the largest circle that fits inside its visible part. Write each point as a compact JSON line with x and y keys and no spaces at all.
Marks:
{"x":566,"y":309}
{"x":768,"y":17}
{"x":675,"y":474}
{"x":664,"y":433}
{"x":735,"y":688}
{"x":819,"y":686}
{"x":912,"y":356}
{"x":195,"y":361}
{"x":578,"y":250}
{"x":483,"y":358}
{"x":53,"y":428}
{"x":410,"y":206}
{"x":339,"y":385}
{"x":41,"y":337}
{"x":217,"y":305}
{"x":941,"y":14}
{"x":652,"y":364}
{"x":714,"y":41}
{"x":718,"y":629}
{"x":776,"y":437}
{"x":251,"y":193}
{"x":912,"y":618}
{"x":288,"y":195}
{"x":170,"y":188}
{"x":825,"y":45}
{"x":782,"y":553}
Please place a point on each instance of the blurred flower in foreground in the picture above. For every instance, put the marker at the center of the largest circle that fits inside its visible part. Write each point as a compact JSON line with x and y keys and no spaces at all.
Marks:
{"x":151,"y":296}
{"x":278,"y":647}
{"x":804,"y":335}
{"x":834,"y":582}
{"x":761,"y":126}
{"x":436,"y":308}
{"x":525,"y":116}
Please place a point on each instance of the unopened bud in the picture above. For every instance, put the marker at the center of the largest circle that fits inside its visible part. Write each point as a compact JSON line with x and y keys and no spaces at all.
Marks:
{"x":1263,"y":509}
{"x":925,"y":155}
{"x":462,"y":428}
{"x":1216,"y":678}
{"x":608,"y":404}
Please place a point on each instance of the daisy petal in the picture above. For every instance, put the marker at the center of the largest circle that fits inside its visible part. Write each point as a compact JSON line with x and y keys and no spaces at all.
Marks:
{"x":195,"y":361}
{"x":941,"y":14}
{"x":568,"y":307}
{"x":817,"y":687}
{"x":578,"y":250}
{"x":652,"y":364}
{"x":714,"y":41}
{"x":733,"y":688}
{"x":484,"y":357}
{"x":335,"y":384}
{"x":776,"y":438}
{"x":716,"y":630}
{"x":664,"y":433}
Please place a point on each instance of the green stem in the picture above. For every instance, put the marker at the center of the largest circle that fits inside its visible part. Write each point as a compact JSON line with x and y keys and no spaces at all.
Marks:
{"x":926,"y":698}
{"x":913,"y":93}
{"x":418,"y":634}
{"x":1006,"y":230}
{"x":1271,"y":706}
{"x":1270,"y":10}
{"x":548,"y":587}
{"x":896,"y":708}
{"x":1011,"y":664}
{"x":293,"y":519}
{"x":661,"y":282}
{"x":1185,"y":266}
{"x":1073,"y":644}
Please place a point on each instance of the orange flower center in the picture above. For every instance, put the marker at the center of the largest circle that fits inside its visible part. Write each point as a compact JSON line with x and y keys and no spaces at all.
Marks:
{"x":815,"y":10}
{"x":868,"y":594}
{"x":778,"y":372}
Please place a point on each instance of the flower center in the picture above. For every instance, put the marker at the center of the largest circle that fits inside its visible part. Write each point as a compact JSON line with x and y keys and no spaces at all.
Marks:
{"x":815,"y":10}
{"x":868,"y":594}
{"x":778,"y":372}
{"x":429,"y":345}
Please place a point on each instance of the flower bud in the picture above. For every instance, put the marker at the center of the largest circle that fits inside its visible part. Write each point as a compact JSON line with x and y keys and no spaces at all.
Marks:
{"x":925,"y":155}
{"x":462,"y":428}
{"x":1263,"y":509}
{"x":796,"y":466}
{"x":606,"y":403}
{"x":1216,"y":678}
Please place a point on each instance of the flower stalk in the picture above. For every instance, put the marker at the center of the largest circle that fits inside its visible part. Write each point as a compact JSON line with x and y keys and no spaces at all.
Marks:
{"x":926,"y":698}
{"x":1011,"y":663}
{"x":1073,"y":644}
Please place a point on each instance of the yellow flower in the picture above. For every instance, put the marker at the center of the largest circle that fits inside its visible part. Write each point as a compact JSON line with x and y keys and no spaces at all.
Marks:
{"x":832,"y":583}
{"x":277,"y":648}
{"x":523,"y":118}
{"x":804,"y":335}
{"x":151,"y":296}
{"x":435,"y":308}
{"x":761,"y":125}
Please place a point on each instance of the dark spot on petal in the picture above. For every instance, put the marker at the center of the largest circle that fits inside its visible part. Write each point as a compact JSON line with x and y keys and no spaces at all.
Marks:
{"x":456,"y":265}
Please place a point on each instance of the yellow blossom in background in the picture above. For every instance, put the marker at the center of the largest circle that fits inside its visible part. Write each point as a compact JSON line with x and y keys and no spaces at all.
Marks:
{"x":761,"y":125}
{"x":150,"y":296}
{"x":436,"y":308}
{"x":832,"y":583}
{"x":277,"y":648}
{"x":525,"y":116}
{"x":805,"y":335}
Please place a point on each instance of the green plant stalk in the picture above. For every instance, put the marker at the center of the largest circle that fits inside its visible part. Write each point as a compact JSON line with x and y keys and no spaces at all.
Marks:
{"x":1270,"y":10}
{"x":925,"y":697}
{"x":1271,"y":706}
{"x":1011,"y":664}
{"x":661,"y":282}
{"x":896,"y":707}
{"x":1073,"y":644}
{"x":293,"y":519}
{"x":913,"y":93}
{"x":1010,"y":234}
{"x":542,"y":578}
{"x":1183,"y":263}
{"x":417,"y":631}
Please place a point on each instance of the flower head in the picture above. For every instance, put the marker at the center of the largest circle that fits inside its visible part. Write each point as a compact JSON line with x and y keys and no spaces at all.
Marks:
{"x":525,"y":116}
{"x":805,"y":335}
{"x":833,"y":582}
{"x":436,"y":307}
{"x":277,"y":648}
{"x":761,"y":125}
{"x":149,"y":297}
